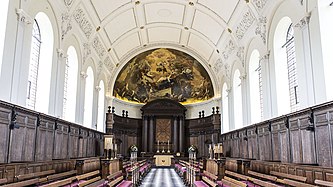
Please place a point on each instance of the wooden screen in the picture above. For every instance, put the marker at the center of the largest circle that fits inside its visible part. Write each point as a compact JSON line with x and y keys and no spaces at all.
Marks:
{"x":163,"y":130}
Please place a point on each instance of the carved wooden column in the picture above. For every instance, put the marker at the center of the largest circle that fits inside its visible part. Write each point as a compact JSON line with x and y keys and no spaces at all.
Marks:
{"x":151,"y":134}
{"x":181,"y":134}
{"x":145,"y":134}
{"x":175,"y":134}
{"x":105,"y":165}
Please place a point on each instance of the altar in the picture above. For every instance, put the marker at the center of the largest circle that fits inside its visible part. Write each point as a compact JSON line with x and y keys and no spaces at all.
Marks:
{"x":163,"y":160}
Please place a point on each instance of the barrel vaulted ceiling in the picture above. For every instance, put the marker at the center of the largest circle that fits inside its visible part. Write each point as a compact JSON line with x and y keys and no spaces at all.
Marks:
{"x":209,"y":30}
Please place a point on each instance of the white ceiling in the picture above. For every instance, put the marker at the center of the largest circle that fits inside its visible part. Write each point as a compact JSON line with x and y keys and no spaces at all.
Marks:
{"x":198,"y":27}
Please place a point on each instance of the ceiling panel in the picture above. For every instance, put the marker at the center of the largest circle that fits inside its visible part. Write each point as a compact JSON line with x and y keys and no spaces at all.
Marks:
{"x":200,"y":46}
{"x":164,"y":34}
{"x":164,"y":12}
{"x":120,"y":25}
{"x":207,"y":26}
{"x":127,"y":44}
{"x":224,"y":8}
{"x":103,"y":9}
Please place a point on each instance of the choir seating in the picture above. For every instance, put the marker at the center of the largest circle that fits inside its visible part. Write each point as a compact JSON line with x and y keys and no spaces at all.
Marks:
{"x":323,"y":183}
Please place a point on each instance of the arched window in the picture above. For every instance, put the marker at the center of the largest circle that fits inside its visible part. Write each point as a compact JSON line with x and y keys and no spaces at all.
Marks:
{"x":88,"y":99}
{"x":101,"y":112}
{"x":39,"y":79}
{"x":292,"y":69}
{"x":238,"y":107}
{"x":3,"y":23}
{"x":70,"y":85}
{"x":225,"y":108}
{"x":255,"y":87}
{"x":285,"y":67}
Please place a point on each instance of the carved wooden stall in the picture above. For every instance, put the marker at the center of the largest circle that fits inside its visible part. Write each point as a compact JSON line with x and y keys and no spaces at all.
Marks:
{"x":29,"y":136}
{"x":302,"y":137}
{"x":202,"y":132}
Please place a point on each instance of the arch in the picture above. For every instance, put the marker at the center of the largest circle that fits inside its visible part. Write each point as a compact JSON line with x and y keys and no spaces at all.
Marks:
{"x":40,"y":73}
{"x":3,"y":21}
{"x":88,"y":98}
{"x":70,"y":84}
{"x":225,"y":108}
{"x":194,"y":54}
{"x":255,"y":87}
{"x":100,"y":107}
{"x":237,"y":93}
{"x":285,"y":67}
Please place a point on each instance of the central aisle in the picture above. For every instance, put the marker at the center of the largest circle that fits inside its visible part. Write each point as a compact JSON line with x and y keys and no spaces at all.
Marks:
{"x":162,"y":177}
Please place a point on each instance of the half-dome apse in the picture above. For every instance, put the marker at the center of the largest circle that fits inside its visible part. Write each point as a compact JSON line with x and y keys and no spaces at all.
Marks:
{"x":163,"y":73}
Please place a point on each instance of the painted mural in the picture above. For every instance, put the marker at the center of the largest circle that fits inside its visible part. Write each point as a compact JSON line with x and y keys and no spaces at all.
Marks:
{"x":163,"y":73}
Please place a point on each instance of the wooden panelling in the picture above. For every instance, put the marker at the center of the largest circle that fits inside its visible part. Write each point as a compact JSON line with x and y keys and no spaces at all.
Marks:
{"x":74,"y":142}
{"x":23,"y":138}
{"x":28,"y":136}
{"x":265,"y":141}
{"x":302,"y":137}
{"x":44,"y":141}
{"x":61,"y":140}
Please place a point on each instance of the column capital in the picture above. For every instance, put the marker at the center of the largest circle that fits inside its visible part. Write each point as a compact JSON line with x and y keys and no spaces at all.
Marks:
{"x":265,"y":57}
{"x":243,"y":76}
{"x":61,"y":54}
{"x":83,"y":74}
{"x":23,"y":17}
{"x":303,"y":22}
{"x":97,"y":88}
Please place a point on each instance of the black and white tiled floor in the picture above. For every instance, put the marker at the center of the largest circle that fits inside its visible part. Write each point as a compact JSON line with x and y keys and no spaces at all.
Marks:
{"x":162,"y":177}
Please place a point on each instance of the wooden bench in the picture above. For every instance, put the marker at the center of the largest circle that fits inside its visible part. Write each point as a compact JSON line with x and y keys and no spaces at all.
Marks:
{"x":229,"y":183}
{"x":34,"y":175}
{"x":200,"y":184}
{"x":23,"y":183}
{"x":263,"y":176}
{"x":90,"y":181}
{"x":59,"y":176}
{"x":97,"y":183}
{"x":210,"y":175}
{"x":209,"y":181}
{"x":323,"y":183}
{"x":289,"y":176}
{"x":296,"y":183}
{"x":237,"y":175}
{"x":3,"y":181}
{"x":60,"y":182}
{"x":116,"y":181}
{"x":232,"y":182}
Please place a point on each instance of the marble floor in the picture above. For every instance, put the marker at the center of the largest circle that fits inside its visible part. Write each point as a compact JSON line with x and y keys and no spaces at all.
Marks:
{"x":162,"y":177}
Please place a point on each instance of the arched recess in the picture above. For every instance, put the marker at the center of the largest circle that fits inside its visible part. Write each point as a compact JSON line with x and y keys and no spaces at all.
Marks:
{"x":88,"y":98}
{"x":285,"y":67}
{"x":291,"y":12}
{"x":255,"y":87}
{"x":70,"y":84}
{"x":194,"y":54}
{"x":3,"y":22}
{"x":40,"y":67}
{"x":225,"y":108}
{"x":238,"y":106}
{"x":100,"y":107}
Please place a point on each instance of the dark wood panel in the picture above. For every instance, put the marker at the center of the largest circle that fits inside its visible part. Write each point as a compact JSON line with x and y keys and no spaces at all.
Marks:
{"x":5,"y":118}
{"x":23,"y":137}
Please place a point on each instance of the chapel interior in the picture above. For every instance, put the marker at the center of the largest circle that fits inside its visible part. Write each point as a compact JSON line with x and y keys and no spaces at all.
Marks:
{"x":166,"y":93}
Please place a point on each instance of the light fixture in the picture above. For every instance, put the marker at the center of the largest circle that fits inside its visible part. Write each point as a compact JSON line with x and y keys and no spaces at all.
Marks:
{"x":331,"y":4}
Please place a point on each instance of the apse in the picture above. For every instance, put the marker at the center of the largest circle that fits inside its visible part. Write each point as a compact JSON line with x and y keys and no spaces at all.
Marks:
{"x":163,"y":73}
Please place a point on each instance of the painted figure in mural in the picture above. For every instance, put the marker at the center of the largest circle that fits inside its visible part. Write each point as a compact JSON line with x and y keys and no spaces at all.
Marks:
{"x":163,"y":73}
